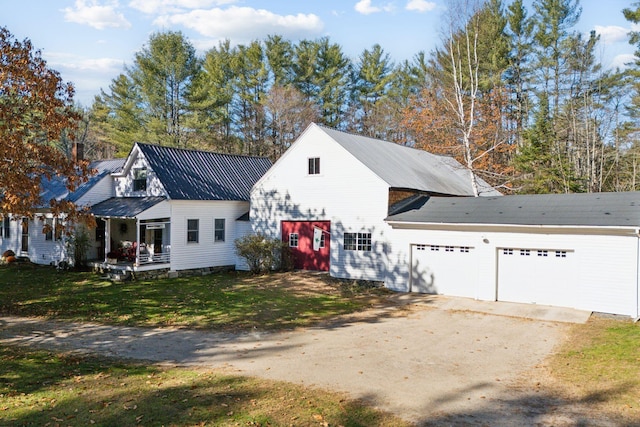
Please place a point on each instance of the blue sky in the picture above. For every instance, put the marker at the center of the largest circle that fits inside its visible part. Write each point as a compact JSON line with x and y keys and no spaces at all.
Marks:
{"x":90,"y":41}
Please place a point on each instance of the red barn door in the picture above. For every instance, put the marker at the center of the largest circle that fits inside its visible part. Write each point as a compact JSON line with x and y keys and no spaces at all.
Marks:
{"x":300,"y":236}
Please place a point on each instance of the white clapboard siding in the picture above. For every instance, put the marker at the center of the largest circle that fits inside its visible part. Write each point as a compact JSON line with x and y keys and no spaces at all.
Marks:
{"x":345,"y":192}
{"x":100,"y":191}
{"x":243,"y":228}
{"x":207,"y":252}
{"x":124,"y":183}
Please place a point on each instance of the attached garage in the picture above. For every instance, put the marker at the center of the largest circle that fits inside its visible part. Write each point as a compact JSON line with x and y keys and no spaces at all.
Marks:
{"x":573,"y":250}
{"x":309,"y":242}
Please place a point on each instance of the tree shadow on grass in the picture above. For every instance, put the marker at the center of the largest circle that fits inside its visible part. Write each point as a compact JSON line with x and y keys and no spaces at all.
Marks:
{"x":533,"y":406}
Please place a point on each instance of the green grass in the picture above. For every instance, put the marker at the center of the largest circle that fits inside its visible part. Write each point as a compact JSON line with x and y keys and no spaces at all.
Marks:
{"x":224,"y":301}
{"x":600,"y":363}
{"x":40,"y":388}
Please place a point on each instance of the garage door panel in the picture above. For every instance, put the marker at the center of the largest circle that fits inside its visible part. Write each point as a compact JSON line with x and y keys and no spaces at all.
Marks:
{"x":442,"y":269}
{"x":538,"y":276}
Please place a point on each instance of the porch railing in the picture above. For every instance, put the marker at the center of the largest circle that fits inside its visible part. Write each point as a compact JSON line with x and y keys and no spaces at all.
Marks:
{"x":161,"y":258}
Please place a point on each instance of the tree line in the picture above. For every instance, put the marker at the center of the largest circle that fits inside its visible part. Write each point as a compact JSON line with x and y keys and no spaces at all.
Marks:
{"x":519,"y":96}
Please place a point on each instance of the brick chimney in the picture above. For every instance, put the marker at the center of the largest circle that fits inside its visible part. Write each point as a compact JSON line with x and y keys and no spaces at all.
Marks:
{"x":77,"y":152}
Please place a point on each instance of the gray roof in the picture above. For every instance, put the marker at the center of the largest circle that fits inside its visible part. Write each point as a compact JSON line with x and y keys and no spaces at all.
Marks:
{"x":56,"y":188}
{"x":580,"y":209}
{"x":124,"y":207}
{"x":404,"y":167}
{"x":204,"y":175}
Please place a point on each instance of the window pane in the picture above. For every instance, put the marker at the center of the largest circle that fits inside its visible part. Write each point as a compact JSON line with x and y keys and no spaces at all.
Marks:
{"x":364,"y":241}
{"x":139,"y":180}
{"x":49,"y":224}
{"x":219,"y":230}
{"x":314,"y":165}
{"x":293,"y":240}
{"x":192,"y":230}
{"x":350,"y":241}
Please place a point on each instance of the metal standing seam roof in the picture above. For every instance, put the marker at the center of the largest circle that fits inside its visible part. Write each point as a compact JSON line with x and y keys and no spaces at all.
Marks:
{"x":579,"y":209}
{"x":56,"y":188}
{"x":409,"y":168}
{"x":203,"y":175}
{"x":124,"y":207}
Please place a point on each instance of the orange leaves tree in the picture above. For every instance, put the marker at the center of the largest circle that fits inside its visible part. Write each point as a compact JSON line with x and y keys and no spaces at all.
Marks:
{"x":36,"y":107}
{"x":486,"y":149}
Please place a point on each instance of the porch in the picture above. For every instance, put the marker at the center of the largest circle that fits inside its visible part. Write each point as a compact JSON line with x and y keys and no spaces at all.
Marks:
{"x":129,"y":237}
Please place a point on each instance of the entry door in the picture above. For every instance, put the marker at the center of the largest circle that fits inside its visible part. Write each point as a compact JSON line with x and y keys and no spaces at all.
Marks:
{"x":300,"y":237}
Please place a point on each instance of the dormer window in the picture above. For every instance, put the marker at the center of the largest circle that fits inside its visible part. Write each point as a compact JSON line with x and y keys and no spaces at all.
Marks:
{"x":140,"y":179}
{"x":314,"y":165}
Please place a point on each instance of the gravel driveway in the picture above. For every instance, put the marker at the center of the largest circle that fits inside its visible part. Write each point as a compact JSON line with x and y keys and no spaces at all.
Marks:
{"x":431,"y":366}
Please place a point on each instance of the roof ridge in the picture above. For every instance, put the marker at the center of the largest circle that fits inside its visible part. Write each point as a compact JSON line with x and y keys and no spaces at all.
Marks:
{"x":195,"y":150}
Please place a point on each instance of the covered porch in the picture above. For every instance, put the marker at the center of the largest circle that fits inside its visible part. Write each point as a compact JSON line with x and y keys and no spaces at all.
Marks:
{"x":133,"y":234}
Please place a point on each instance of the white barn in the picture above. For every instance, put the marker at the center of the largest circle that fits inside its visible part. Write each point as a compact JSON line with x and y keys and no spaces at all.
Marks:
{"x":569,"y":250}
{"x":339,"y":188}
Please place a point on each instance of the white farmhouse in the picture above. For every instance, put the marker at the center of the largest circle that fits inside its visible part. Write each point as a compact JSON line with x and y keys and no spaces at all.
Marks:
{"x":176,"y":209}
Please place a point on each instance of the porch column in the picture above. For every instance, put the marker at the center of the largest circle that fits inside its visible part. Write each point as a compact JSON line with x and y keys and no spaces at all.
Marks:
{"x":107,"y":237}
{"x":137,"y":241}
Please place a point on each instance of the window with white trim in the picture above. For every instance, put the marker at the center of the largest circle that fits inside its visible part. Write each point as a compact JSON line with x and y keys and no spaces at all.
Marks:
{"x":561,"y":254}
{"x":293,"y":240}
{"x":193,"y":230}
{"x":48,"y":222}
{"x":5,"y":231}
{"x":357,"y":242}
{"x":219,"y":230}
{"x":507,"y":251}
{"x":525,"y":252}
{"x":314,"y":165}
{"x":140,"y":179}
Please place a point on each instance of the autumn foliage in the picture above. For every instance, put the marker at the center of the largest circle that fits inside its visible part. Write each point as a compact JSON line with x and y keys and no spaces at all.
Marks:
{"x":434,"y":127}
{"x":36,"y":107}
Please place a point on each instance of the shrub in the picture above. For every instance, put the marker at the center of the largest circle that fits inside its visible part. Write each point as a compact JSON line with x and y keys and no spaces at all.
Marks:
{"x":8,"y":253}
{"x":264,"y":254}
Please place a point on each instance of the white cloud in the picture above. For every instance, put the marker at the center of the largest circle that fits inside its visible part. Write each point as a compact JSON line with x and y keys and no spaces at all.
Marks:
{"x":612,"y":33}
{"x":95,"y":15}
{"x":160,"y":7}
{"x":364,"y":7}
{"x":420,"y":5}
{"x":244,"y":23}
{"x":621,"y":61}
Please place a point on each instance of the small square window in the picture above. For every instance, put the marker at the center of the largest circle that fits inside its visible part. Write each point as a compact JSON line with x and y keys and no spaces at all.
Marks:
{"x":448,"y":248}
{"x":507,"y":251}
{"x":561,"y":254}
{"x":464,"y":249}
{"x":218,"y":234}
{"x":314,"y":166}
{"x":193,"y":226}
{"x":435,"y":248}
{"x":293,"y":240}
{"x":525,"y":252}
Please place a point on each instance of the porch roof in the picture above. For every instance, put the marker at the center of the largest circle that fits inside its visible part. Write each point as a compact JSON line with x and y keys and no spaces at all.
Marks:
{"x":124,"y":207}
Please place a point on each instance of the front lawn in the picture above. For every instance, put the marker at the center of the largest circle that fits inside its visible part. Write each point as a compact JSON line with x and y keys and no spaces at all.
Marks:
{"x":599,"y":364}
{"x":42,"y":388}
{"x":224,"y":301}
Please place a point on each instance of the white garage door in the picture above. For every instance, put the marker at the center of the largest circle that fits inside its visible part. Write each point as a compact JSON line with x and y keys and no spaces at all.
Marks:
{"x":539,"y":276}
{"x":447,"y":270}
